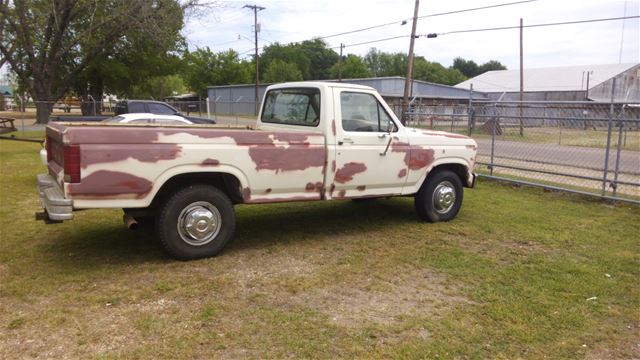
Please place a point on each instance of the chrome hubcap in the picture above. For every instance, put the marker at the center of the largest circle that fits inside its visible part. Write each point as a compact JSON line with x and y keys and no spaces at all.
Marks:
{"x":199,"y":223}
{"x":444,"y":197}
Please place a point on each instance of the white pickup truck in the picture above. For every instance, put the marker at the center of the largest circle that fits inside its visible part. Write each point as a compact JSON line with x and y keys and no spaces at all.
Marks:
{"x":313,"y":141}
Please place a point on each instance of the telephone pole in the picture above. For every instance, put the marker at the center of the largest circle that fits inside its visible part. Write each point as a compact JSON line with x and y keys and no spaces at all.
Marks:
{"x":340,"y":63}
{"x":256,"y":30}
{"x":407,"y":81}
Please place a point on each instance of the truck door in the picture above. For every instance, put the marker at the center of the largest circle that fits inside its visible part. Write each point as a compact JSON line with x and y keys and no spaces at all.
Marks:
{"x":366,"y":136}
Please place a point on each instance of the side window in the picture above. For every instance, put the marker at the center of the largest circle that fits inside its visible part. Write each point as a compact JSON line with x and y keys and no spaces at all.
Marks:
{"x":160,"y":109}
{"x":140,"y":121}
{"x":136,"y":107}
{"x":363,"y":113}
{"x":292,"y":107}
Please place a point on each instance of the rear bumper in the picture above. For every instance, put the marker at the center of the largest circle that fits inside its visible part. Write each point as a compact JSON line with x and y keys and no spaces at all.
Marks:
{"x":56,"y":206}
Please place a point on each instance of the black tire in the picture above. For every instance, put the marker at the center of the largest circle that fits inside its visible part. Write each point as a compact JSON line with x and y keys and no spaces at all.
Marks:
{"x":446,"y":183}
{"x":196,"y":222}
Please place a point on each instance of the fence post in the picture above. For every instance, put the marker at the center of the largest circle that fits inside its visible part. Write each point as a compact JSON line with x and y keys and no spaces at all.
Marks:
{"x":470,"y":111}
{"x":621,"y":119}
{"x":493,"y":137}
{"x":606,"y":153}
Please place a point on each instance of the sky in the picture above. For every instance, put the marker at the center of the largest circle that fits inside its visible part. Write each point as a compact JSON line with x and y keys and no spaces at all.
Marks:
{"x":230,"y":26}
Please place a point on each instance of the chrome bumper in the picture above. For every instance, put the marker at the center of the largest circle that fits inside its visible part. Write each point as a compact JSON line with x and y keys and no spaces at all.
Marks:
{"x":57,"y":207}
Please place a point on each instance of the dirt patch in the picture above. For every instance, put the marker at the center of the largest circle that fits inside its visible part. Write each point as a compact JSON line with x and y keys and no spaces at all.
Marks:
{"x":384,"y":300}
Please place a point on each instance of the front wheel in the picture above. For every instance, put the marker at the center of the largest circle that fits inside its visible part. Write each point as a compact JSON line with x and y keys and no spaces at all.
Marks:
{"x":440,"y":197}
{"x":196,"y":222}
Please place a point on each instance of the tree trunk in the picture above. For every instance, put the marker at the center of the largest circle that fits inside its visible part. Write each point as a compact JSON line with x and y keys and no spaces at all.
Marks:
{"x":96,"y":90}
{"x":43,"y":110}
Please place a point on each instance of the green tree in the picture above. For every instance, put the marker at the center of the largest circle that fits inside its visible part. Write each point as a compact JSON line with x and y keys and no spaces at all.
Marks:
{"x":48,"y":44}
{"x":290,"y":54}
{"x":468,"y":68}
{"x":158,"y":87}
{"x":321,"y":58}
{"x":353,"y":67}
{"x":435,"y":72}
{"x":280,"y":71}
{"x":491,"y":65}
{"x":471,"y":69}
{"x":204,"y":68}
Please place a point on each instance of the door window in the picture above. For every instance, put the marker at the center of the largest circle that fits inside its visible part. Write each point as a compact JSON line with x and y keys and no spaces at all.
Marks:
{"x":363,"y":113}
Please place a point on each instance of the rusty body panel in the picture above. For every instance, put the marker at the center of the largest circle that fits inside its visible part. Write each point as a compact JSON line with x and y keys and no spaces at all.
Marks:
{"x":124,"y":166}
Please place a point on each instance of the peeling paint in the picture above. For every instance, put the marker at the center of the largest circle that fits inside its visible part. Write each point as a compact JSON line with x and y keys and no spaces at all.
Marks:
{"x":105,"y":184}
{"x":210,"y":162}
{"x":361,"y":188}
{"x":415,"y":156}
{"x":346,"y":173}
{"x":314,"y":187}
{"x":144,"y":153}
{"x":246,"y":194}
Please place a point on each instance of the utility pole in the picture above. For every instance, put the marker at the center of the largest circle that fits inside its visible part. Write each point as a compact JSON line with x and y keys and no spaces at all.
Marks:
{"x":340,"y":63}
{"x":407,"y":81}
{"x":521,"y":81}
{"x":256,"y":30}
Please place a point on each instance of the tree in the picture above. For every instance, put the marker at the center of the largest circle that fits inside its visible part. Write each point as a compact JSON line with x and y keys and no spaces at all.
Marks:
{"x":435,"y":72}
{"x":203,"y":68}
{"x":280,"y":71}
{"x":321,"y":58}
{"x":291,"y":54}
{"x":491,"y":65}
{"x":49,"y":43}
{"x":470,"y":69}
{"x":353,"y":67}
{"x":136,"y":58}
{"x":158,"y":87}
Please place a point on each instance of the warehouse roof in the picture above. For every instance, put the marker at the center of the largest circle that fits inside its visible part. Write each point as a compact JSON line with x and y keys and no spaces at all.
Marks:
{"x":565,"y":78}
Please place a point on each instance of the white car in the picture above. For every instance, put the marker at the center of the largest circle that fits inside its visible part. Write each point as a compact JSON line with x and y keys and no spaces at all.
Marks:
{"x":147,"y":118}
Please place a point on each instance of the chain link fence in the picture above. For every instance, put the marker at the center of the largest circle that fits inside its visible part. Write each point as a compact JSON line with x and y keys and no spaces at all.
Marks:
{"x":585,"y":147}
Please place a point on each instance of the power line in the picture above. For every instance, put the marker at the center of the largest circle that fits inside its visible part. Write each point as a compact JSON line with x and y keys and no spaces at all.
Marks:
{"x":531,"y":26}
{"x":489,"y":29}
{"x":403,"y":21}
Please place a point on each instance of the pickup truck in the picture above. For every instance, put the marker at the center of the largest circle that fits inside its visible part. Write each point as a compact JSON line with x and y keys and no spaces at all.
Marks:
{"x":312,"y":141}
{"x":136,"y":106}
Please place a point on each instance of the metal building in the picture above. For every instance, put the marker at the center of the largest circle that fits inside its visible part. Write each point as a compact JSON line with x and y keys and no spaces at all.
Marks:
{"x":240,"y":99}
{"x":567,"y":83}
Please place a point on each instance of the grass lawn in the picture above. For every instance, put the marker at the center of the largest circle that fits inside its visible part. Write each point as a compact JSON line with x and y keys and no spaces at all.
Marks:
{"x":521,"y":273}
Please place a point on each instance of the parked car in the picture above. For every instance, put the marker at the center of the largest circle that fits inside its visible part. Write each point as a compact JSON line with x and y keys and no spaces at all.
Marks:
{"x":136,"y":106}
{"x":147,"y":118}
{"x":154,"y":107}
{"x":314,"y":141}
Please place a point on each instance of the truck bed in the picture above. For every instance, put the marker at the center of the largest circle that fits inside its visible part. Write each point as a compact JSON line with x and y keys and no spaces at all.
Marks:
{"x":124,"y":166}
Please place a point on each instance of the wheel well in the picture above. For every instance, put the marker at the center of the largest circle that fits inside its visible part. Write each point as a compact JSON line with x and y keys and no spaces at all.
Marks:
{"x":457,"y":169}
{"x":227,"y":183}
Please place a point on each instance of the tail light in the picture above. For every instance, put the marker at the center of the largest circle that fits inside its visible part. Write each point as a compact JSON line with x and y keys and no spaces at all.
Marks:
{"x":72,"y":163}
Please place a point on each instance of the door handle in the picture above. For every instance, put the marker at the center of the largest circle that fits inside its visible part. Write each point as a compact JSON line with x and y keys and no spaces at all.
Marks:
{"x":345,"y":141}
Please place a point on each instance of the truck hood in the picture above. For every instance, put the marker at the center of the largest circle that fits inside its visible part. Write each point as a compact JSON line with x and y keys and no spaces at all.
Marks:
{"x":435,"y":138}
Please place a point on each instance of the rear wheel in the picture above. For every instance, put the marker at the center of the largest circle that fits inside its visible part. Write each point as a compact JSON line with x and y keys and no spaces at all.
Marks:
{"x":440,"y":197}
{"x":196,"y":222}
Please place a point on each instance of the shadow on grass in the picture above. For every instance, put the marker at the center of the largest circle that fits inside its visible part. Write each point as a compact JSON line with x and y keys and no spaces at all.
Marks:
{"x":91,"y":246}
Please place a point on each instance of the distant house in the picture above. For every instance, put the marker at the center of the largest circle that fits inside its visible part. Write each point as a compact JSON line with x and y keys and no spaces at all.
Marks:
{"x":567,"y":83}
{"x":7,"y":96}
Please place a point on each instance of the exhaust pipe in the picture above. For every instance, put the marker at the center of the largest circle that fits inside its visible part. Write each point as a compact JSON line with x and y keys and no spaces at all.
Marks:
{"x":130,"y":222}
